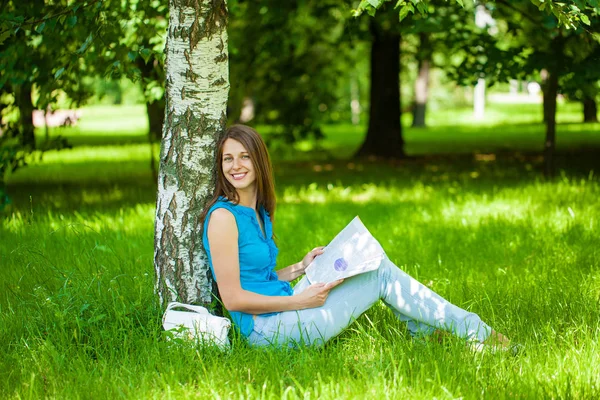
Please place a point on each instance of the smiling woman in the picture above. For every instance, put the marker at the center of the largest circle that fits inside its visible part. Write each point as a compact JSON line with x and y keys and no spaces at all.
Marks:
{"x":265,"y":308}
{"x":237,"y":167}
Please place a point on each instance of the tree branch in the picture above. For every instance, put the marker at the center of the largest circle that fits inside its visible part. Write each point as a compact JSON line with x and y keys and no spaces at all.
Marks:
{"x":58,"y":14}
{"x":521,"y":12}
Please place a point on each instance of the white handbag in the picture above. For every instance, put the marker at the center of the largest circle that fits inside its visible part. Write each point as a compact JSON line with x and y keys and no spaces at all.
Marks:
{"x":197,"y":323}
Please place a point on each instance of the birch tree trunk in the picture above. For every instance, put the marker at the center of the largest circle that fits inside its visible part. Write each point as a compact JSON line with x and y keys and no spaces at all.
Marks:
{"x":197,"y":86}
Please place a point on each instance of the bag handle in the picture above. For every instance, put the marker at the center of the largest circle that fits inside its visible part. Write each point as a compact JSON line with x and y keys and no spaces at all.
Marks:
{"x":190,"y":307}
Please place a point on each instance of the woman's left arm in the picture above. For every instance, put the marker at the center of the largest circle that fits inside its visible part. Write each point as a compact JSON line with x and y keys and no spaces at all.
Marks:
{"x":295,"y":270}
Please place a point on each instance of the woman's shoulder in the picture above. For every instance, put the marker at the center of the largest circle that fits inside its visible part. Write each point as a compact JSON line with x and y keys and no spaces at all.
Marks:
{"x":221,"y":203}
{"x":222,"y":217}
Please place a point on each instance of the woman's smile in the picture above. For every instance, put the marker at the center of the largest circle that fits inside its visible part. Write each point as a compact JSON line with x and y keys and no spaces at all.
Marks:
{"x":239,"y":176}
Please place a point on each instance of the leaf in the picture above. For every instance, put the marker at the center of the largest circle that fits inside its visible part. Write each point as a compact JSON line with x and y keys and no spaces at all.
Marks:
{"x":85,"y":44}
{"x":59,"y":72}
{"x":40,"y":27}
{"x":72,"y":20}
{"x":404,"y":12}
{"x":145,"y":53}
{"x":462,"y":4}
{"x":132,"y":55}
{"x":375,"y":3}
{"x":4,"y":35}
{"x":585,"y":19}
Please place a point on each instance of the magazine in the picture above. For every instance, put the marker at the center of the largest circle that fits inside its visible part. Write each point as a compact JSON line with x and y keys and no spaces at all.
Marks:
{"x":353,"y":251}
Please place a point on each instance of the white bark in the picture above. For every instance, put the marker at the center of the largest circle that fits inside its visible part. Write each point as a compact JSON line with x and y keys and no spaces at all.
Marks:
{"x":197,"y":88}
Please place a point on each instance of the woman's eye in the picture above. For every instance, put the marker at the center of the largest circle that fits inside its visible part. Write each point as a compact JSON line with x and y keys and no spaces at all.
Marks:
{"x":227,"y":159}
{"x":246,"y":157}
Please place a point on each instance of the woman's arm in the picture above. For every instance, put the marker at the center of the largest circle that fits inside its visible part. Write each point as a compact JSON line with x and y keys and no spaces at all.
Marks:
{"x":223,"y":241}
{"x":295,"y":270}
{"x":292,"y":272}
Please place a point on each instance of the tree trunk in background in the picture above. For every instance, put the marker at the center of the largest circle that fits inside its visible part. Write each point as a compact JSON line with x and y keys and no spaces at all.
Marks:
{"x":544,"y":75}
{"x":26,"y":115}
{"x":422,"y":82}
{"x":384,"y":135}
{"x":197,"y":86}
{"x":550,"y":93}
{"x":155,"y":108}
{"x":590,"y":110}
{"x":156,"y":118}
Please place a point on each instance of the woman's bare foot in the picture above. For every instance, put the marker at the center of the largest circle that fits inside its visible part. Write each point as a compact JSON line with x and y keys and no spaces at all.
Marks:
{"x":498,"y":340}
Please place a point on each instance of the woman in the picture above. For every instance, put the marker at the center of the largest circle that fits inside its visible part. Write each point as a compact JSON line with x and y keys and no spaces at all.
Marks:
{"x":238,"y":239}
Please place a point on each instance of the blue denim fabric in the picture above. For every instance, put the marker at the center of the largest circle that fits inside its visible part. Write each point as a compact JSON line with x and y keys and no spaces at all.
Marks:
{"x":423,"y":310}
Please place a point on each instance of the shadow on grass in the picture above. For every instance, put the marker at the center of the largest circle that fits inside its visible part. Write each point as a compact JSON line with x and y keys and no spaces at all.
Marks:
{"x":113,"y":185}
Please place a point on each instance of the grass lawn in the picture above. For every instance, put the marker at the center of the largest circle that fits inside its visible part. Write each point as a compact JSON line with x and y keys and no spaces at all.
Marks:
{"x":78,"y":317}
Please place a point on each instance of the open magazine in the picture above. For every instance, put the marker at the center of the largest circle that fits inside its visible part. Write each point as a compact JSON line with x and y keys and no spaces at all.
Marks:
{"x":353,"y":251}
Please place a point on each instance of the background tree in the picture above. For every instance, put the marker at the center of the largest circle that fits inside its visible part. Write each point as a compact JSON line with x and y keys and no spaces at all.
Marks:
{"x":384,"y":133}
{"x":547,"y":48}
{"x":31,"y":59}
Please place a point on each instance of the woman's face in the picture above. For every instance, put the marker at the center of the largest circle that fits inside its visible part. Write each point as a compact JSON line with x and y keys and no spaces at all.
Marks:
{"x":237,"y":166}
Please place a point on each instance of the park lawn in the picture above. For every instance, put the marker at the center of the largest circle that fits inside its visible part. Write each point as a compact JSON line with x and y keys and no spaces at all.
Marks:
{"x":507,"y":127}
{"x":78,"y":316}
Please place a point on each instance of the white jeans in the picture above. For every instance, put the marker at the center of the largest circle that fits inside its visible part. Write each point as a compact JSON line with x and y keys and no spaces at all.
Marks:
{"x":422,"y":308}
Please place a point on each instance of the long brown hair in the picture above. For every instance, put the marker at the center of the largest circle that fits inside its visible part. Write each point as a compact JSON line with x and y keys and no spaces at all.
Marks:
{"x":256,"y":148}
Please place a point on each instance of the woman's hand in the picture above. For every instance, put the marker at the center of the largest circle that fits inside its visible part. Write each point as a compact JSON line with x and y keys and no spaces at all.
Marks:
{"x":311,"y":255}
{"x":316,"y":294}
{"x":290,"y":273}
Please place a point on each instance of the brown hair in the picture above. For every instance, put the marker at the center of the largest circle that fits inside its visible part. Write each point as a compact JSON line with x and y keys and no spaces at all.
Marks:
{"x":265,"y":187}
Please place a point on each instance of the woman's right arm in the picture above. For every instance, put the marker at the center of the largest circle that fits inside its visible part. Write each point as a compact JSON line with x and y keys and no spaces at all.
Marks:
{"x":223,"y":241}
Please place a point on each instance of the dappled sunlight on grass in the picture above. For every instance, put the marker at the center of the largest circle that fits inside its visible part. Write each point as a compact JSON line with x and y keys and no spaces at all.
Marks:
{"x":473,"y":212}
{"x":137,"y":219}
{"x":87,"y":164}
{"x":360,"y":194}
{"x":112,"y":154}
{"x":554,"y":206}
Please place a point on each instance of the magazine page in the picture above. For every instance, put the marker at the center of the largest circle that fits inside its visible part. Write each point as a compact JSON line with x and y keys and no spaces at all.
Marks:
{"x":353,"y":251}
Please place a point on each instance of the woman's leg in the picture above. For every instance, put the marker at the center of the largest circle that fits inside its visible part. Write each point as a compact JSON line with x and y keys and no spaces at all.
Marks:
{"x":424,"y":310}
{"x":411,"y":301}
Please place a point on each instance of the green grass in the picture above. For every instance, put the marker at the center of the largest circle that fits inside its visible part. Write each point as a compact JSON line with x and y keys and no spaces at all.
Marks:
{"x":78,"y":317}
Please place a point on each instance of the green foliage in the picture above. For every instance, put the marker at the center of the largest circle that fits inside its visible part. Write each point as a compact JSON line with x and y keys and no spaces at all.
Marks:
{"x":58,"y":47}
{"x":289,"y":59}
{"x":567,"y":15}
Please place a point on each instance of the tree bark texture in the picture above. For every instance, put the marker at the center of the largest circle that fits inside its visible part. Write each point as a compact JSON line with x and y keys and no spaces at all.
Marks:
{"x":590,"y":110}
{"x":422,"y":82}
{"x":384,"y":135}
{"x":26,"y":115}
{"x":197,"y":86}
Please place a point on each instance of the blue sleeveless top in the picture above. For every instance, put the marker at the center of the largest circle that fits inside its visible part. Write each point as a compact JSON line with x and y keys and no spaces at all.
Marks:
{"x":257,"y":256}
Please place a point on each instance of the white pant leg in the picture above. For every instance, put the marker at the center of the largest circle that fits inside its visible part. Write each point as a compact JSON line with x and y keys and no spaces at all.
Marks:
{"x":409,"y":300}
